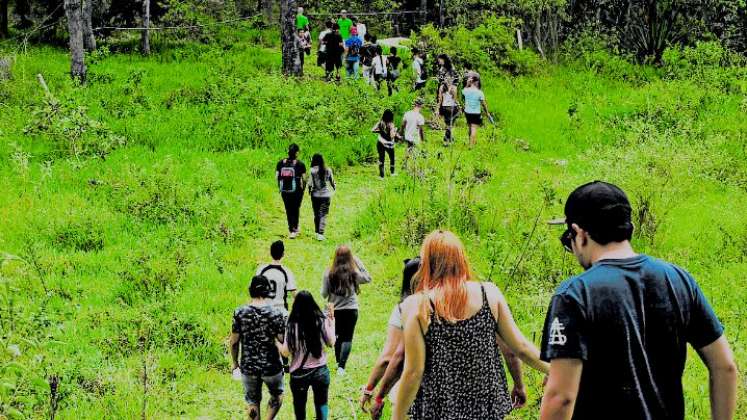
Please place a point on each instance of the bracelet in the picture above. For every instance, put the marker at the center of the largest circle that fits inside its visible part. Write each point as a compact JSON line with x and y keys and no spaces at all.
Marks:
{"x":379,"y":400}
{"x":367,"y":391}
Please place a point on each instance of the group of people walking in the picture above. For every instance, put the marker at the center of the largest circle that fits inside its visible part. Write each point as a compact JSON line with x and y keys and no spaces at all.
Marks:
{"x":614,"y":341}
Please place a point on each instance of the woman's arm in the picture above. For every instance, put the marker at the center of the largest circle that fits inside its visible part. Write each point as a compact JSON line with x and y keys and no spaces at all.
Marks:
{"x":332,"y":179}
{"x":365,"y":276}
{"x":509,"y":332}
{"x":283,"y":347}
{"x":329,"y":330}
{"x":393,"y":339}
{"x":414,"y":358}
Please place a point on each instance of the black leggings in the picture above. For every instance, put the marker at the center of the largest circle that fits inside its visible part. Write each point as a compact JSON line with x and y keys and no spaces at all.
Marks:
{"x":383,"y":151}
{"x":292,"y":202}
{"x":345,"y":320}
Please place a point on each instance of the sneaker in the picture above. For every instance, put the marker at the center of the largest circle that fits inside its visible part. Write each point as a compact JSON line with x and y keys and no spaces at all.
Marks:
{"x":340,"y":372}
{"x":320,"y":237}
{"x":293,"y":235}
{"x":394,"y":174}
{"x":381,"y":178}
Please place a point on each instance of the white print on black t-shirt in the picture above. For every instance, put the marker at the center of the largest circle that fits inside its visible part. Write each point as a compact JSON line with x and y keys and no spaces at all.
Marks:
{"x":556,"y":333}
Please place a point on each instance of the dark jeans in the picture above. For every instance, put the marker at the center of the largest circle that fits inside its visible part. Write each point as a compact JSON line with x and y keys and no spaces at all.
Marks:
{"x":345,"y":320}
{"x":318,"y":380}
{"x":383,"y":151}
{"x":450,"y":114}
{"x":321,"y":210}
{"x":292,"y":202}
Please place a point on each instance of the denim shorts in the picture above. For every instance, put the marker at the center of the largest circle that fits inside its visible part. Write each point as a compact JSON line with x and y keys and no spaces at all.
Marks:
{"x":253,"y":387}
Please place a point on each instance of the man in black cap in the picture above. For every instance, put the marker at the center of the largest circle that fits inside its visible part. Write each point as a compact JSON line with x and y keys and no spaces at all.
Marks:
{"x":616,"y":335}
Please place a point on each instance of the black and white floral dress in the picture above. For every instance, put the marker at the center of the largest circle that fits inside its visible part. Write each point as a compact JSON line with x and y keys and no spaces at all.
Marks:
{"x":464,"y":378}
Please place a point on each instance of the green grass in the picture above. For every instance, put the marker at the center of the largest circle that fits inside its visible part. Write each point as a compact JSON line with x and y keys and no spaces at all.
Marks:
{"x":140,"y":257}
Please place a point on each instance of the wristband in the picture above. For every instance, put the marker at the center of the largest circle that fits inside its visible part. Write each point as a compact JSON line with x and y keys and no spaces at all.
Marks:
{"x":379,"y":400}
{"x":366,"y":390}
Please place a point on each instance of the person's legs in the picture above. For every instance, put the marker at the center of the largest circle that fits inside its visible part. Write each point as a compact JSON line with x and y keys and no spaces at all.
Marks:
{"x":300,"y":390}
{"x":320,"y":386}
{"x":356,"y":64}
{"x":316,"y":203}
{"x":252,"y":395}
{"x":297,"y":209}
{"x":275,"y":387}
{"x":289,"y":206}
{"x":382,"y":155}
{"x":390,"y":152}
{"x":472,"y":134}
{"x":345,"y":320}
{"x":323,"y":212}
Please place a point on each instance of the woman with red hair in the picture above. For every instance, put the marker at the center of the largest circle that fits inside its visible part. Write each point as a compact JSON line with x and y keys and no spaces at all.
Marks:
{"x":453,"y":367}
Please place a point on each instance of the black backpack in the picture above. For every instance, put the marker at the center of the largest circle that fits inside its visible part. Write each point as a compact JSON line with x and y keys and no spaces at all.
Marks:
{"x":355,"y":50}
{"x":287,"y":176}
{"x":274,"y":285}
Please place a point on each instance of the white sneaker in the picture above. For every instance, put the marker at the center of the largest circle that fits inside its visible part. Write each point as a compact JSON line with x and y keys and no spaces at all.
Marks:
{"x":394,"y":174}
{"x":340,"y":372}
{"x":293,"y":235}
{"x":320,"y":237}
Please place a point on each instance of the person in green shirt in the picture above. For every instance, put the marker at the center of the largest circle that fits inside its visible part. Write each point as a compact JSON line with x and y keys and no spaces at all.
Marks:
{"x":302,"y":22}
{"x":345,"y":24}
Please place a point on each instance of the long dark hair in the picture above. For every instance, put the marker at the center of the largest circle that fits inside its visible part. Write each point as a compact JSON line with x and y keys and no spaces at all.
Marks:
{"x":305,"y":325}
{"x":318,"y":161}
{"x":343,"y":276}
{"x":293,"y":151}
{"x":411,"y":267}
{"x":447,"y":62}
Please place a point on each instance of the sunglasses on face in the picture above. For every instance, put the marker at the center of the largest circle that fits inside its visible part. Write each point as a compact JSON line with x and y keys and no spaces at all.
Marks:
{"x":566,"y":239}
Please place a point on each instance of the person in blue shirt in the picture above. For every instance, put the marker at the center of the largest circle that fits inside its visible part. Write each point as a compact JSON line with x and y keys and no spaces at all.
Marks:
{"x":353,"y":53}
{"x":474,"y":104}
{"x":616,"y":335}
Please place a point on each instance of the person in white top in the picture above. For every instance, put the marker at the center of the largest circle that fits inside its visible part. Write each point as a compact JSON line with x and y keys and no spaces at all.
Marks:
{"x":412,"y":125}
{"x":379,"y":66}
{"x":282,"y":280}
{"x":321,"y":55}
{"x":448,"y":107}
{"x":418,"y":69}
{"x":361,"y":28}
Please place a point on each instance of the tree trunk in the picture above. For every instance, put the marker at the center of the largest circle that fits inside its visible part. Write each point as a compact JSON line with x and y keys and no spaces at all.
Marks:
{"x":74,"y":12}
{"x":291,"y":52}
{"x":3,"y":18}
{"x":89,"y":41}
{"x":538,"y":35}
{"x":442,"y":13}
{"x":145,"y":36}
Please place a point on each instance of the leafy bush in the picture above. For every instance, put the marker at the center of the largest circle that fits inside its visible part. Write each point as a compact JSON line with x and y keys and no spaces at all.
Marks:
{"x":490,"y":44}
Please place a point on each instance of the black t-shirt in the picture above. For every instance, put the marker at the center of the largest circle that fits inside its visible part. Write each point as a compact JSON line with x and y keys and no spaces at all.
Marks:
{"x":629,"y":320}
{"x":333,"y":41}
{"x":257,"y":327}
{"x":394,"y":61}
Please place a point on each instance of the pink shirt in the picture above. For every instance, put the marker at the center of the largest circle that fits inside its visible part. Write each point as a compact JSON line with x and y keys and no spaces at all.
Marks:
{"x":328,"y":337}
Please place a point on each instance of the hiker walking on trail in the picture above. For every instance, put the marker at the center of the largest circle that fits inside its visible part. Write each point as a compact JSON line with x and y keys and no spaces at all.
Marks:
{"x":303,"y":43}
{"x":302,"y":22}
{"x":446,"y":70}
{"x":379,"y":66}
{"x":321,"y":55}
{"x":393,"y":62}
{"x":256,"y":327}
{"x":448,"y":108}
{"x":392,"y":354}
{"x":362,"y":29}
{"x":474,"y":104}
{"x":321,"y":189}
{"x":281,"y":278}
{"x":334,"y":46}
{"x":345,"y":24}
{"x":341,"y":286}
{"x":469,"y":73}
{"x":290,"y":174}
{"x":353,"y":53}
{"x":412,"y":125}
{"x":308,"y":331}
{"x":418,"y":68}
{"x":367,"y":53}
{"x":616,"y":335}
{"x":387,"y":135}
{"x":453,"y":365}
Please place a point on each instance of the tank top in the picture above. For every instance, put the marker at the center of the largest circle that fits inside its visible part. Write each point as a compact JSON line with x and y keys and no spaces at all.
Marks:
{"x":464,"y":376}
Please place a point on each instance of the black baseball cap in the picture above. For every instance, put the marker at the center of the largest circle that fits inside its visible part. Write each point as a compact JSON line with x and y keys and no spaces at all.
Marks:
{"x":602,"y":209}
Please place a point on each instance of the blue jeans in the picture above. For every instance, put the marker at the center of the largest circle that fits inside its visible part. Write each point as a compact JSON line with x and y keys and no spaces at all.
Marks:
{"x":352,"y":68}
{"x":318,"y":380}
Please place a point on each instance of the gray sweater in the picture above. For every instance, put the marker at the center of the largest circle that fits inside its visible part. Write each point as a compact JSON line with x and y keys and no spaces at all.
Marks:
{"x":345,"y":302}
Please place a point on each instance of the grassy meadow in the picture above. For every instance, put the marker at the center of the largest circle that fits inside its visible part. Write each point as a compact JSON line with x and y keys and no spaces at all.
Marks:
{"x":134,"y":209}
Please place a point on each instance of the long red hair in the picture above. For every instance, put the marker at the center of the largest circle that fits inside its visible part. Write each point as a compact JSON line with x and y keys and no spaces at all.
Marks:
{"x":444,"y":268}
